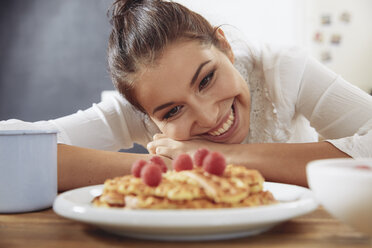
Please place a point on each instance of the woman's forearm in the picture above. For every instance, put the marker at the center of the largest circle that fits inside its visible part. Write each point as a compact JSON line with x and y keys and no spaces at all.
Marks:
{"x":79,"y":166}
{"x":281,"y":162}
{"x":285,"y":163}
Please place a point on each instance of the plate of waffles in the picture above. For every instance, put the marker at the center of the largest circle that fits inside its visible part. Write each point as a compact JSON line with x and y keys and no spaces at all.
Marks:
{"x":187,"y":206}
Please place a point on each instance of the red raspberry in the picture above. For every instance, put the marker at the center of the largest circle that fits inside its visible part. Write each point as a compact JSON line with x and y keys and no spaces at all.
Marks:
{"x":159,"y":161}
{"x":182,"y":162}
{"x":137,"y":167}
{"x":214,"y":163}
{"x":200,"y":155}
{"x":151,"y":174}
{"x":362,"y":167}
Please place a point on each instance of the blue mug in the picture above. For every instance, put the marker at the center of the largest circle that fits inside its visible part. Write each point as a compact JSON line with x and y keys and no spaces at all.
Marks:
{"x":28,"y":170}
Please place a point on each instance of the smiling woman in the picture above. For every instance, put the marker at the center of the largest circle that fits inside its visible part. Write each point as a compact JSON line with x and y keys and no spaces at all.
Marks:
{"x":187,"y":88}
{"x":207,"y":96}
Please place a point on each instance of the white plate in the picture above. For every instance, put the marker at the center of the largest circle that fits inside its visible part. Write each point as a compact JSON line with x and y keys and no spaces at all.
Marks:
{"x":187,"y":225}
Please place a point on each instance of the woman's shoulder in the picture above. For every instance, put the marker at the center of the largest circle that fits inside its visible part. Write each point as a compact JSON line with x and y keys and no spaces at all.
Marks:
{"x":277,"y":70}
{"x":270,"y":55}
{"x":278,"y":66}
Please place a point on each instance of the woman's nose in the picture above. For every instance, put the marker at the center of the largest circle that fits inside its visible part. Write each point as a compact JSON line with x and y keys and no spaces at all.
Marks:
{"x":206,"y":115}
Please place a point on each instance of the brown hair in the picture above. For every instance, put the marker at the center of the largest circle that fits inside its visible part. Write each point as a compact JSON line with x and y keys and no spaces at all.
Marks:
{"x":141,"y":29}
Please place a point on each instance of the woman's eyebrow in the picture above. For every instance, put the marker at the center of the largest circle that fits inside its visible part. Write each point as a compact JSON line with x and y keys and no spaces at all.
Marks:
{"x":197,"y":72}
{"x":191,"y":84}
{"x":162,"y":107}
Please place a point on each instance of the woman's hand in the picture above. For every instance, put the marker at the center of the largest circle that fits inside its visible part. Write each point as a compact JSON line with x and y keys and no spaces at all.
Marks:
{"x":164,"y":146}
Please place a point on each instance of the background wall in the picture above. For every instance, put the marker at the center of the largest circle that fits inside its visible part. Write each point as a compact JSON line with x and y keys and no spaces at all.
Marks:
{"x":52,"y":57}
{"x":274,"y":21}
{"x":344,"y":44}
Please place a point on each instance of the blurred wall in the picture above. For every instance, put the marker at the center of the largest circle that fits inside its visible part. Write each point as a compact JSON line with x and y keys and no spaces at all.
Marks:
{"x":52,"y":57}
{"x":341,"y":38}
{"x":273,"y":21}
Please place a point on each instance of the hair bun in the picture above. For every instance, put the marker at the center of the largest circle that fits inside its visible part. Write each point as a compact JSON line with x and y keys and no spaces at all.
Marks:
{"x":122,"y":6}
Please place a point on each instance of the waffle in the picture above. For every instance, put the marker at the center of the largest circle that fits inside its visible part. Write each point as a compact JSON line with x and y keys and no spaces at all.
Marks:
{"x":189,"y":189}
{"x":152,"y":202}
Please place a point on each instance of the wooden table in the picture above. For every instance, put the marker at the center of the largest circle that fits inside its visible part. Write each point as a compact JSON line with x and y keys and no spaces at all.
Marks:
{"x":46,"y":229}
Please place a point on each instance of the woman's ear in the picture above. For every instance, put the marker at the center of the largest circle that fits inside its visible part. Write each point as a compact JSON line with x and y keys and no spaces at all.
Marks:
{"x":224,"y":44}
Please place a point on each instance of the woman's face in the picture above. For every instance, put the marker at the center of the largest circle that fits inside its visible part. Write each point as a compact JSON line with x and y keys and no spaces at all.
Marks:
{"x":194,"y":91}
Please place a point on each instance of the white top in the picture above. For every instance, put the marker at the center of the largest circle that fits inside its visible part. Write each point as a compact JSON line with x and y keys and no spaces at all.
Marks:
{"x":292,"y":96}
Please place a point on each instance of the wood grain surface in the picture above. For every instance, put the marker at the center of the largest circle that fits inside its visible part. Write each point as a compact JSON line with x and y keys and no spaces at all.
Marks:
{"x":47,"y":229}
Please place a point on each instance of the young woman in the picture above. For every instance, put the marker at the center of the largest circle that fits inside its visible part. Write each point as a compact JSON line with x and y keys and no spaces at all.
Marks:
{"x":186,"y":88}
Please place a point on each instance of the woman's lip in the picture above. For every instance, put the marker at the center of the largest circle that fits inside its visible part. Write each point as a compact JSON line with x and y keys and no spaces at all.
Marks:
{"x":223,"y":137}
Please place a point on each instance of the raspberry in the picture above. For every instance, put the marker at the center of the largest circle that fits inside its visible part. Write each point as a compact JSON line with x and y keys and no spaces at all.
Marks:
{"x":214,"y":163}
{"x":182,"y":162}
{"x":159,"y":161}
{"x":200,"y":155}
{"x":137,"y":167}
{"x":362,"y":167}
{"x":151,"y":174}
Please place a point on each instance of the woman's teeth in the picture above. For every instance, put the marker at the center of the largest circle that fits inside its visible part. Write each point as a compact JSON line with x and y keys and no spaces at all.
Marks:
{"x":225,"y":127}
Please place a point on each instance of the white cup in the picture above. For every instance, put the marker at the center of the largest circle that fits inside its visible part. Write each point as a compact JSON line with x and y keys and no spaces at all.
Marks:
{"x":28,"y":170}
{"x":344,"y":187}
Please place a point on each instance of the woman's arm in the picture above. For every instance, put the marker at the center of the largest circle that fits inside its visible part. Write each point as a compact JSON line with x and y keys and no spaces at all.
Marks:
{"x":278,"y":162}
{"x":79,"y":166}
{"x":102,"y":129}
{"x":284,"y":162}
{"x":339,"y":111}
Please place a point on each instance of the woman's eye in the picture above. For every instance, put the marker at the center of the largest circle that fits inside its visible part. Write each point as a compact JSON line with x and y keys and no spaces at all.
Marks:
{"x":174,"y":111}
{"x":205,"y":81}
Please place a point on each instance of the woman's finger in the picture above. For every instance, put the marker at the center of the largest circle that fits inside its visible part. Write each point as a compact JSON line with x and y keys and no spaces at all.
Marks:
{"x":151,"y":148}
{"x":164,"y":151}
{"x":158,"y":136}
